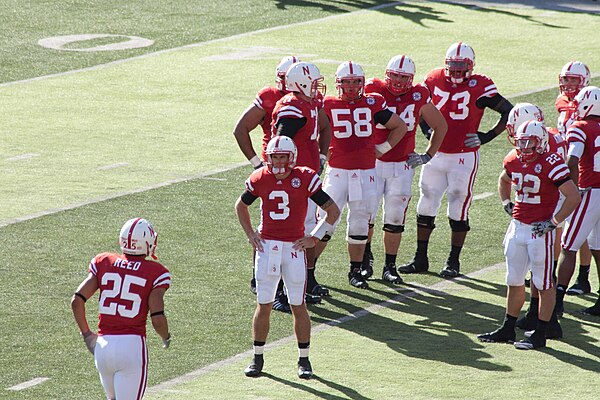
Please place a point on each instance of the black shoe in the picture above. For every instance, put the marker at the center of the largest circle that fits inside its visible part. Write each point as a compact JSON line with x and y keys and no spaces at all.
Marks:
{"x":366,"y":269}
{"x":390,"y":275}
{"x":580,"y":287}
{"x":528,"y":322}
{"x":554,"y":330}
{"x":559,"y":309}
{"x":593,"y":310}
{"x":312,"y":298}
{"x":500,"y":335}
{"x":531,"y":342}
{"x":451,"y":269}
{"x":304,"y":368}
{"x":253,"y":285}
{"x":417,"y":265}
{"x":527,"y":282}
{"x":356,"y":279}
{"x":255,"y":367}
{"x":281,"y":303}
{"x":315,"y":289}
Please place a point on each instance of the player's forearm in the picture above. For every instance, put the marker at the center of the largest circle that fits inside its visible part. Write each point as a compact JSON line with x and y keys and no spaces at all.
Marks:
{"x":242,"y":136}
{"x":161,"y":326}
{"x":504,"y":188}
{"x":78,"y":308}
{"x":244,"y":217}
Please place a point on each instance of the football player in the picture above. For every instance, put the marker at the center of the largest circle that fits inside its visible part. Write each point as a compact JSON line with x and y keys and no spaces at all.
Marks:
{"x":350,"y":176}
{"x":130,"y":286}
{"x":395,"y":169}
{"x":573,"y":77}
{"x":299,"y":115}
{"x":583,"y":136}
{"x":280,"y":242}
{"x":537,"y":176}
{"x":462,"y":96}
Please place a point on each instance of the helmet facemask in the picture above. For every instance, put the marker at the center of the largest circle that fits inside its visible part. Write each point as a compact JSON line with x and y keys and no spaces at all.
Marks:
{"x":350,"y":88}
{"x":459,"y":70}
{"x":529,"y":148}
{"x":279,"y":162}
{"x":398,"y":83}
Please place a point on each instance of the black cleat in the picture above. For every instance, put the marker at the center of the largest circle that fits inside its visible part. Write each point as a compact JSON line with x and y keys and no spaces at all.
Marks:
{"x":255,"y":367}
{"x":304,"y":368}
{"x":528,"y":322}
{"x":318,"y":290}
{"x":281,"y":303}
{"x":527,"y":282}
{"x":593,"y":310}
{"x":579,"y":288}
{"x":451,"y":270}
{"x":416,"y":266}
{"x":253,"y":285}
{"x":553,"y":331}
{"x":531,"y":342}
{"x":559,"y":308}
{"x":312,"y":298}
{"x":366,"y":269}
{"x":356,"y":279}
{"x":500,"y":335}
{"x":390,"y":275}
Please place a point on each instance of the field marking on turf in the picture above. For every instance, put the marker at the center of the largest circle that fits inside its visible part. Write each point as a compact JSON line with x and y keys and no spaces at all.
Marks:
{"x":483,"y":195}
{"x":25,"y":156}
{"x":28,"y":384}
{"x":113,"y":166}
{"x":404,"y":294}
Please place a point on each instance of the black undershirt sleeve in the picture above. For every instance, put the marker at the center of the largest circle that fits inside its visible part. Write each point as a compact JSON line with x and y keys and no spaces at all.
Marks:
{"x":248,"y":198}
{"x":383,"y":116}
{"x":502,"y":106}
{"x":320,"y":197}
{"x":290,"y":126}
{"x":559,"y":183}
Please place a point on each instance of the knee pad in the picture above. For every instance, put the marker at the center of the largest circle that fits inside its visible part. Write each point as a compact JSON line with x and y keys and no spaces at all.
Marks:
{"x":425,"y":221}
{"x":459,"y":226}
{"x":357,"y":239}
{"x":393,"y":228}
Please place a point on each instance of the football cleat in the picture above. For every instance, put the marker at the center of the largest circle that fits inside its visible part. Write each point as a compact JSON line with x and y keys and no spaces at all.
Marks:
{"x":500,"y":335}
{"x":559,"y":308}
{"x":255,"y":367}
{"x":451,"y":270}
{"x":528,"y":322}
{"x":281,"y":303}
{"x":527,"y":282}
{"x":319,"y":290}
{"x":391,"y":275}
{"x":593,"y":310}
{"x":553,"y":331}
{"x":531,"y":343}
{"x":304,"y":368}
{"x":366,"y":269}
{"x":312,"y":298}
{"x":417,"y":265}
{"x":580,"y":287}
{"x":356,"y":279}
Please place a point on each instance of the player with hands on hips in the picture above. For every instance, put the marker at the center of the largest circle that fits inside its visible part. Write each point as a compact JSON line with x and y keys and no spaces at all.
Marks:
{"x":130,"y":286}
{"x":462,"y":97}
{"x":395,"y":169}
{"x":537,"y":176}
{"x":280,"y":242}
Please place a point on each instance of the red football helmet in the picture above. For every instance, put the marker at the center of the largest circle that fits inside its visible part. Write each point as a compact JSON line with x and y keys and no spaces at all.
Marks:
{"x":531,"y":140}
{"x":350,"y":81}
{"x":520,"y":113}
{"x":460,"y":61}
{"x":399,"y":74}
{"x":281,"y":145}
{"x":281,"y":69}
{"x":573,"y":77}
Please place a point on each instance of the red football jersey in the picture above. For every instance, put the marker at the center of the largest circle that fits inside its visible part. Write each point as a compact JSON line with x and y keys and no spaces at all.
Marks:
{"x":306,"y":139}
{"x":266,"y":99}
{"x":352,"y":127}
{"x":566,"y":110}
{"x":408,"y":107}
{"x":536,"y":193}
{"x":456,"y":102}
{"x":556,"y":143}
{"x":125,"y":282}
{"x":283,"y":202}
{"x":588,"y":133}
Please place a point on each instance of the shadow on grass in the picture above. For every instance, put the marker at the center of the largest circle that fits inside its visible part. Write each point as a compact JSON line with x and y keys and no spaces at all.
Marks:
{"x":348,"y":392}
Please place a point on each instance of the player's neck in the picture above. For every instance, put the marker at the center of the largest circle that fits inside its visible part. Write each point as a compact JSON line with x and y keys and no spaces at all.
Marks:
{"x":284,"y":175}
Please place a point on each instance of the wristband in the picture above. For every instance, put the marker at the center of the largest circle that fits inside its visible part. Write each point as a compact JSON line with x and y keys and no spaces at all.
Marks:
{"x":255,"y":161}
{"x":323,"y":157}
{"x":505,"y":202}
{"x":323,"y":228}
{"x":384,"y":147}
{"x":553,"y":220}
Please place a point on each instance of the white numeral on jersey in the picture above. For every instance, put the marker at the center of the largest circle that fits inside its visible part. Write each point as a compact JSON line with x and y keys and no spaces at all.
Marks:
{"x":314,"y":115}
{"x":283,"y":206}
{"x":597,"y":154}
{"x":343,"y":128}
{"x":408,"y":116}
{"x":462,"y":98}
{"x":121,"y":288}
{"x":526,"y":194}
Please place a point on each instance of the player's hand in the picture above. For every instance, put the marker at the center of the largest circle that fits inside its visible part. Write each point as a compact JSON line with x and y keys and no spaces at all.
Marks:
{"x":414,"y":159}
{"x":473,"y":140}
{"x":90,"y":338}
{"x":508,"y":207}
{"x":541,"y":228}
{"x":322,"y":162}
{"x":167,"y":342}
{"x":256,"y":241}
{"x":306,"y":242}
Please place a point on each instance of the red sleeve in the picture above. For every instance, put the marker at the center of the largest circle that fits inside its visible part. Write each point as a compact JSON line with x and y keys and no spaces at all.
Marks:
{"x":253,"y":184}
{"x":266,"y":98}
{"x":314,"y":184}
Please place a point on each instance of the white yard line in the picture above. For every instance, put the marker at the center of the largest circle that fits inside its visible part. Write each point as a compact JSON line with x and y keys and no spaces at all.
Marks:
{"x":405,"y":293}
{"x":112,"y":166}
{"x":23,"y":157}
{"x":482,"y":196}
{"x":27,"y":384}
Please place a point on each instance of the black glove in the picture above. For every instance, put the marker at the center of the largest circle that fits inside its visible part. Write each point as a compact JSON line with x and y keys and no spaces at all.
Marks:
{"x":508,"y":207}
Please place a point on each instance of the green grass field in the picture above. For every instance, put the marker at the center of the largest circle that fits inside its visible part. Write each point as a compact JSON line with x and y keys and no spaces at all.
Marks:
{"x":169,"y":116}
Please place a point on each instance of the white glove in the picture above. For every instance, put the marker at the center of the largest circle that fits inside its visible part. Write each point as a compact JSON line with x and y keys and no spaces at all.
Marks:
{"x":90,"y":340}
{"x":167,"y":342}
{"x":541,"y":228}
{"x":473,"y":140}
{"x":414,"y":159}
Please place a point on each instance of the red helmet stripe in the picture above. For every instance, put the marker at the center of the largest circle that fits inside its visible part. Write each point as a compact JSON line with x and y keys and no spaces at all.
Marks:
{"x":569,"y":67}
{"x":401,"y":62}
{"x":458,"y":49}
{"x":131,"y":232}
{"x":351,"y":67}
